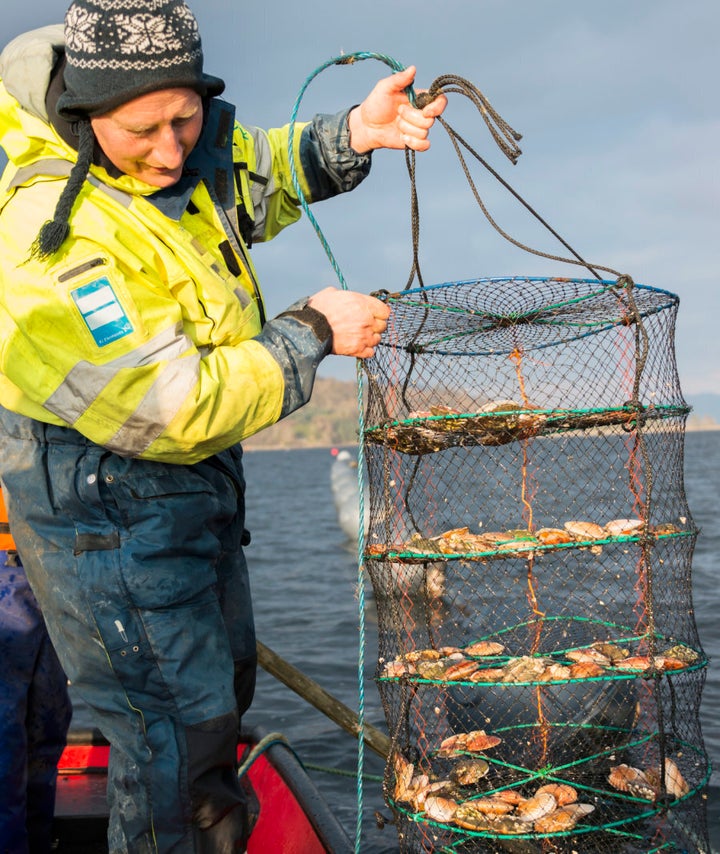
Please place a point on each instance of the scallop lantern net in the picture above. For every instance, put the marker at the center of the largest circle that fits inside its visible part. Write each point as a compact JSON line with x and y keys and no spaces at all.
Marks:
{"x":529,"y":545}
{"x":529,"y":548}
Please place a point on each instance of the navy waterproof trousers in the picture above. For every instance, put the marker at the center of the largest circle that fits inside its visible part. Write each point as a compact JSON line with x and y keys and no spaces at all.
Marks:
{"x":139,"y":569}
{"x":34,"y":717}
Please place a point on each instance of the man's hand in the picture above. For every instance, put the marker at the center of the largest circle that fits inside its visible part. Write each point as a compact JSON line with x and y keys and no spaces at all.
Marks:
{"x":386,"y":119}
{"x":357,"y":320}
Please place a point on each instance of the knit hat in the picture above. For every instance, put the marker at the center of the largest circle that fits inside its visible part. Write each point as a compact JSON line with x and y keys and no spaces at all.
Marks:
{"x":117,"y":50}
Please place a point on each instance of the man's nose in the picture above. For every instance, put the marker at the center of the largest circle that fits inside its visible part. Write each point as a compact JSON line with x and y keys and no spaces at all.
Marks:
{"x":168,"y":150}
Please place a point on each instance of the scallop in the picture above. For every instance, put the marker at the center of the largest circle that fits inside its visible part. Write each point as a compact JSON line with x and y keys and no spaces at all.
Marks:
{"x":624,"y":527}
{"x":483,"y":648}
{"x":440,"y":809}
{"x":536,"y":807}
{"x":562,"y":792}
{"x":585,"y":530}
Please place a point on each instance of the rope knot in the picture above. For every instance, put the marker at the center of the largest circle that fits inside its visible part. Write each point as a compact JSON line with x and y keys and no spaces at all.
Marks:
{"x":422,"y":99}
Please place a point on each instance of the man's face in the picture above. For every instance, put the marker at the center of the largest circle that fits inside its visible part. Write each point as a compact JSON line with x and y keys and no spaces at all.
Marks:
{"x":150,"y":137}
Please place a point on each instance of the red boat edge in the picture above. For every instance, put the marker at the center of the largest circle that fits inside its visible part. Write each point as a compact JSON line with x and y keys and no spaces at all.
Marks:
{"x":294,"y":818}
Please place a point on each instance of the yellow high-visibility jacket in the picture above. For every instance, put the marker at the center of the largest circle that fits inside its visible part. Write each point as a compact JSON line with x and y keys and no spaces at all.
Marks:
{"x":144,"y":332}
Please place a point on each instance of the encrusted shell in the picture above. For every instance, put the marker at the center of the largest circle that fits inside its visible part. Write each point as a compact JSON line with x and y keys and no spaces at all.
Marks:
{"x":471,"y":819}
{"x":555,"y":671}
{"x":509,"y":824}
{"x":625,"y":778}
{"x":611,"y":651}
{"x":675,"y":783}
{"x":430,"y":670}
{"x":469,"y":771}
{"x":524,"y":669}
{"x":682,"y":653}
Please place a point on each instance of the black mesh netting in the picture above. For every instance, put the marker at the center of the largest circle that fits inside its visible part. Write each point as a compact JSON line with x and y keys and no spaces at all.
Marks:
{"x":530,"y":551}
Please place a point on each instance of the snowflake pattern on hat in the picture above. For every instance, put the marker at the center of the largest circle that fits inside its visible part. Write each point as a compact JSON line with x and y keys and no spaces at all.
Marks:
{"x":147,"y":34}
{"x":96,"y":40}
{"x":117,"y":50}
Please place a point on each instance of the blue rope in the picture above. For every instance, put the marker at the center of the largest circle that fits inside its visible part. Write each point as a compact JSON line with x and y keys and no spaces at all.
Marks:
{"x":345,"y":59}
{"x":348,"y":59}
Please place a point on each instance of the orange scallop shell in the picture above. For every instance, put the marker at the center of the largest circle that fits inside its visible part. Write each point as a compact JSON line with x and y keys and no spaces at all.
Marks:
{"x":461,"y":670}
{"x":479,"y":741}
{"x":552,"y":536}
{"x":586,"y":670}
{"x":562,"y":792}
{"x":482,"y":648}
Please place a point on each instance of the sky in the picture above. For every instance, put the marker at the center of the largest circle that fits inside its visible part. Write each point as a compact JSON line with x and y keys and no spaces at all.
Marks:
{"x":617,"y":104}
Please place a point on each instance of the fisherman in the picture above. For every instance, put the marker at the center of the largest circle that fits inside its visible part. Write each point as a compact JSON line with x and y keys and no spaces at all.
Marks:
{"x":136,"y":356}
{"x":34,"y":709}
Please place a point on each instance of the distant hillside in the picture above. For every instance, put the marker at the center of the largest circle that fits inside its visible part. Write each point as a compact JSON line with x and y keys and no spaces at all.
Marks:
{"x":331,"y":418}
{"x":706,"y":411}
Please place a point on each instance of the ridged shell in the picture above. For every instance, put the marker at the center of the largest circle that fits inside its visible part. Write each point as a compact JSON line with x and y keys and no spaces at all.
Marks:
{"x":478,"y":741}
{"x":536,"y":807}
{"x":624,"y":527}
{"x":440,"y":809}
{"x":461,"y":670}
{"x":492,"y":806}
{"x":510,"y":796}
{"x":585,"y":530}
{"x":586,"y":670}
{"x":564,"y":818}
{"x":588,"y":654}
{"x":488,"y":674}
{"x":562,"y":792}
{"x":635,"y":662}
{"x":482,"y":648}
